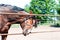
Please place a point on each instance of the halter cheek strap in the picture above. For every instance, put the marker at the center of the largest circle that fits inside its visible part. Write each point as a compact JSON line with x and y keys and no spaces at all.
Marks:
{"x":27,"y":19}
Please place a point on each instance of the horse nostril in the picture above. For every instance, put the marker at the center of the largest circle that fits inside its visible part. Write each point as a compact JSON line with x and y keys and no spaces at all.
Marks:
{"x":24,"y":34}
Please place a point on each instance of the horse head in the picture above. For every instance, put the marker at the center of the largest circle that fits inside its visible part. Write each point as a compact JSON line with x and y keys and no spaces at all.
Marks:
{"x":28,"y":23}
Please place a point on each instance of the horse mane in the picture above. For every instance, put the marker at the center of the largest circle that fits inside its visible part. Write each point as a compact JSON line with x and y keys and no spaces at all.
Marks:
{"x":10,"y":8}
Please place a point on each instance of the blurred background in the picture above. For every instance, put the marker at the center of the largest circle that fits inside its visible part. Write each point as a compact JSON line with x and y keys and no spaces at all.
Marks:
{"x":49,"y":25}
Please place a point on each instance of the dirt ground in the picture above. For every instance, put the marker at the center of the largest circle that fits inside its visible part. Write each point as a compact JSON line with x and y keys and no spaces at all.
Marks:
{"x":45,"y":33}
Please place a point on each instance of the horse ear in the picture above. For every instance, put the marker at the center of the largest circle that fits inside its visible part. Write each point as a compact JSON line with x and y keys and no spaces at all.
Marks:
{"x":31,"y":12}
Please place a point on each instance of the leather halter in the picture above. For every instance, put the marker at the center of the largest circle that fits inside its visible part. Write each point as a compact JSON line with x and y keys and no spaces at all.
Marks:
{"x":26,"y":18}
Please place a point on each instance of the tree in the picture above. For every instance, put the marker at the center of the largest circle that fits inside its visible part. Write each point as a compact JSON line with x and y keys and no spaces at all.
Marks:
{"x":27,"y":8}
{"x":43,"y":7}
{"x":58,"y":7}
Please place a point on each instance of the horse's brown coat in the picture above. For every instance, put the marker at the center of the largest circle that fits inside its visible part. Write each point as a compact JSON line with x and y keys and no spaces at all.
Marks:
{"x":7,"y":20}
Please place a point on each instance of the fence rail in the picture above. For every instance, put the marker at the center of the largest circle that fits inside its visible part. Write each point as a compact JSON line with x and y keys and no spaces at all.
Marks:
{"x":31,"y":32}
{"x":3,"y":13}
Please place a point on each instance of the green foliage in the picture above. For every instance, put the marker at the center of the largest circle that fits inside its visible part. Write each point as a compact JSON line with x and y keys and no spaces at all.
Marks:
{"x":42,"y":7}
{"x":58,"y":11}
{"x":56,"y":25}
{"x":27,"y":8}
{"x":58,"y":7}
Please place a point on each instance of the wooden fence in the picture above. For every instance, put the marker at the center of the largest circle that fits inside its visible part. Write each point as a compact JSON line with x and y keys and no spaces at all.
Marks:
{"x":3,"y":13}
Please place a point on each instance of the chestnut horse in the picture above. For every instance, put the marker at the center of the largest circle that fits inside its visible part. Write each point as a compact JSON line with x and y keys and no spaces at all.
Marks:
{"x":26,"y":21}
